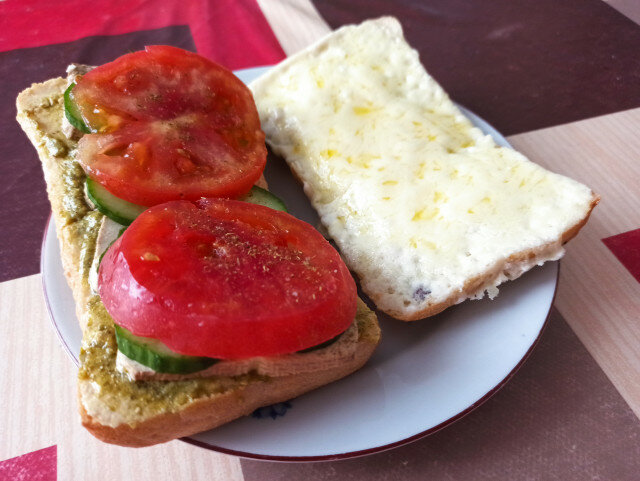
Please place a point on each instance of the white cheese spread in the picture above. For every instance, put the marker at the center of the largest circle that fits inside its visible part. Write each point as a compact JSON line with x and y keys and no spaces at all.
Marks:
{"x":417,"y":199}
{"x":107,"y":234}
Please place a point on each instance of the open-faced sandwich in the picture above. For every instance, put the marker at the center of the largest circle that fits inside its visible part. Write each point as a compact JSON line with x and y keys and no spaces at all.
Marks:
{"x":207,"y":305}
{"x":200,"y":300}
{"x":425,"y":208}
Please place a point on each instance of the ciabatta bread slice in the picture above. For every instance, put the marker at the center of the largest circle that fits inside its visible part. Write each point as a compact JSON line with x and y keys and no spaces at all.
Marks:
{"x":113,"y":407}
{"x":425,"y":208}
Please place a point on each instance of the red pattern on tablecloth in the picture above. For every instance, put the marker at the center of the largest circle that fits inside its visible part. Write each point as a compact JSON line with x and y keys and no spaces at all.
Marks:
{"x":39,"y":465}
{"x":248,"y":39}
{"x":38,"y":39}
{"x":626,"y":247}
{"x":521,"y":65}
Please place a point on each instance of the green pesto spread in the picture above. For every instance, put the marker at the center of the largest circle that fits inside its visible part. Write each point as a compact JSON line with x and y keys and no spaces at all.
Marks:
{"x":47,"y":118}
{"x":98,"y":365}
{"x":133,"y":400}
{"x":79,"y":218}
{"x":99,"y":349}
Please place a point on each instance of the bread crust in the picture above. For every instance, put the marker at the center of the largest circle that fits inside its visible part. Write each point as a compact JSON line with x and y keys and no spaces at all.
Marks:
{"x":200,"y":414}
{"x":28,"y":101}
{"x":473,"y":285}
{"x":209,"y":413}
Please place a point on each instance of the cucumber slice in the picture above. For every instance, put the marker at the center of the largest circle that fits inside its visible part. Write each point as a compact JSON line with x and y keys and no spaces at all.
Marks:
{"x":71,"y":112}
{"x":157,"y":356}
{"x":260,"y":196}
{"x":116,"y":209}
{"x":322,"y":345}
{"x":124,"y":212}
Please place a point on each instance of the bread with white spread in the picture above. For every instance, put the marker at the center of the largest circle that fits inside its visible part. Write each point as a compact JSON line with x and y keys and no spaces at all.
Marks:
{"x":424,"y":207}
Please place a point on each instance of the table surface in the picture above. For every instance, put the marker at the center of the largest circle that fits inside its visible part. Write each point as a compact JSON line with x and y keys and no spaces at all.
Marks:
{"x":560,"y":79}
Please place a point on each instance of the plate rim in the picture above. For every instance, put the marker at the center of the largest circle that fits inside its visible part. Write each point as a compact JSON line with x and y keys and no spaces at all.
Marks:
{"x":337,"y":456}
{"x":47,"y":302}
{"x":401,"y":442}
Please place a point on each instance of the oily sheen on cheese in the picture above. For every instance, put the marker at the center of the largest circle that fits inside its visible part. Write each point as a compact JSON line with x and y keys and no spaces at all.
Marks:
{"x":425,"y":208}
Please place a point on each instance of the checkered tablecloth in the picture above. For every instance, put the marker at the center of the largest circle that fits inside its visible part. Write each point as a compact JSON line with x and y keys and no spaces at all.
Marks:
{"x":561,"y":79}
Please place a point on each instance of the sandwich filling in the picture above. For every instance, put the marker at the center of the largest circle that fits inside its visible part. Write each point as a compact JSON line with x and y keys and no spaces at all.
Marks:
{"x":107,"y":392}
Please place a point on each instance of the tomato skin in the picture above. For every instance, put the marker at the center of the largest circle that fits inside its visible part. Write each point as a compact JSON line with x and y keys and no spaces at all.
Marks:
{"x":226,"y":279}
{"x":169,"y":125}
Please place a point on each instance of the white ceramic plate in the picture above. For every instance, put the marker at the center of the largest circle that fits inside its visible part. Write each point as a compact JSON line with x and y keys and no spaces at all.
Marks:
{"x":424,"y":375}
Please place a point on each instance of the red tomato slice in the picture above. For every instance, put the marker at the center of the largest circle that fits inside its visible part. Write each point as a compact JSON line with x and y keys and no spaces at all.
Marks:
{"x":226,"y":279}
{"x":169,"y":125}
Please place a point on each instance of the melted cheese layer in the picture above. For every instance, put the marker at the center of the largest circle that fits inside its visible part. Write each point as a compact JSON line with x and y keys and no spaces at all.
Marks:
{"x":417,"y":199}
